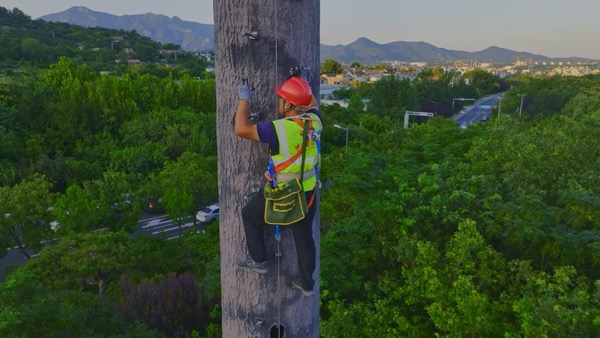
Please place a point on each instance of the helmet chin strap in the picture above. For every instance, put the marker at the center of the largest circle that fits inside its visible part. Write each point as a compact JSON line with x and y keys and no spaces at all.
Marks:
{"x":285,"y":111}
{"x":288,"y":110}
{"x":299,"y":109}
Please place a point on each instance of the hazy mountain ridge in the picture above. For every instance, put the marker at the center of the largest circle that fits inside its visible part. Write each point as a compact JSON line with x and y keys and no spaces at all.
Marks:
{"x":366,"y":50}
{"x":193,"y":36}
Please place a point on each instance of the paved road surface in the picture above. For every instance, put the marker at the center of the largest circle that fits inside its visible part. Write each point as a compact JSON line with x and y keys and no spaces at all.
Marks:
{"x":480,"y":110}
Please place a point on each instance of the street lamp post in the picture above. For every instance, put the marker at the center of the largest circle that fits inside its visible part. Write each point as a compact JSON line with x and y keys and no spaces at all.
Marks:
{"x":346,"y":129}
{"x":499,"y":105}
{"x":521,"y":105}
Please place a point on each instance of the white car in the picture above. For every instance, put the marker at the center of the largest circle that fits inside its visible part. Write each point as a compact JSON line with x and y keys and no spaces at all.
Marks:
{"x":208,"y":214}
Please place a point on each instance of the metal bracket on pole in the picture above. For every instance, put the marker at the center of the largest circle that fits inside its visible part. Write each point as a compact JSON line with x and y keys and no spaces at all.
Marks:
{"x":251,"y":35}
{"x":418,"y":113}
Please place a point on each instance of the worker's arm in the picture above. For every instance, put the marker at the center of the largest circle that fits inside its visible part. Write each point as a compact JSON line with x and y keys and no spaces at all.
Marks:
{"x":243,"y":127}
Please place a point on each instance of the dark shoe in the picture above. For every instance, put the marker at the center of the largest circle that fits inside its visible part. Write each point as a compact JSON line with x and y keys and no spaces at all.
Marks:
{"x":250,"y":264}
{"x":297,"y":285}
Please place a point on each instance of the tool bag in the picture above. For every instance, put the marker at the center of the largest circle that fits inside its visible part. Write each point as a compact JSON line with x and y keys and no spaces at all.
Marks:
{"x":285,"y":203}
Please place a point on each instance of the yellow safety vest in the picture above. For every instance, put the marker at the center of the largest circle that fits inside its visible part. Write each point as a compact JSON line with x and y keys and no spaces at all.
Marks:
{"x":290,"y":134}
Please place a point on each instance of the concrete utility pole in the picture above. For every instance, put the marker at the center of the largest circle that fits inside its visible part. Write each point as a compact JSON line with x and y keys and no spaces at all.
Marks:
{"x":260,"y":40}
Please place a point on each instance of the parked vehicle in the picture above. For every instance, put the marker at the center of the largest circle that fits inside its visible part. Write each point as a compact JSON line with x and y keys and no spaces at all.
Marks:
{"x":208,"y":214}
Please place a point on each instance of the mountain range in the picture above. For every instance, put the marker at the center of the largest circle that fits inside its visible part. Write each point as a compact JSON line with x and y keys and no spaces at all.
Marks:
{"x":193,"y":36}
{"x":190,"y":36}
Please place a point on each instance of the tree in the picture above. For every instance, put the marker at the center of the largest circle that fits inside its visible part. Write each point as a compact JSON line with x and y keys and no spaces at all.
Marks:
{"x":25,"y":215}
{"x":93,"y":257}
{"x":187,"y":183}
{"x":68,"y":110}
{"x":392,"y":97}
{"x":484,"y":82}
{"x":108,"y":202}
{"x":178,"y":205}
{"x":288,"y":35}
{"x":357,"y":65}
{"x":331,"y":66}
{"x":170,"y":306}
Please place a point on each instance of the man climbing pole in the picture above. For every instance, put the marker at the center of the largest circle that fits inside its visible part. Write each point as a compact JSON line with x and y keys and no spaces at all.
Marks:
{"x":300,"y":122}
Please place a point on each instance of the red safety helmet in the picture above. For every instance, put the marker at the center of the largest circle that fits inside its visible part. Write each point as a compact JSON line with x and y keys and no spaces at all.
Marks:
{"x":296,"y":91}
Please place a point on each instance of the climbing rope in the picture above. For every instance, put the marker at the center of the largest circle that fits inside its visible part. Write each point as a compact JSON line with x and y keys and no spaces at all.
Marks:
{"x":272,"y":167}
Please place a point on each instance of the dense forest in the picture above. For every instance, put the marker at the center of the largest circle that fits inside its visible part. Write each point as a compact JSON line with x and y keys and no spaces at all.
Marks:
{"x":488,"y":231}
{"x":29,"y":45}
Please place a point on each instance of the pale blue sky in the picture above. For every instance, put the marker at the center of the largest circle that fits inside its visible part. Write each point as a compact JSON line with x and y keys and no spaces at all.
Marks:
{"x":554,"y":28}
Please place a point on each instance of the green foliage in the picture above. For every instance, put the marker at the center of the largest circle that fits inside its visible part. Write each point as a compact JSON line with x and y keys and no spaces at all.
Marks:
{"x":427,"y":231}
{"x":434,"y":85}
{"x":95,"y":141}
{"x":52,"y":294}
{"x":391,"y":97}
{"x":73,"y":262}
{"x":25,"y":215}
{"x":36,"y":43}
{"x":170,"y":306}
{"x":490,"y":231}
{"x":557,"y":304}
{"x":36,"y":312}
{"x":198,"y":95}
{"x":356,"y":65}
{"x":545,"y":171}
{"x":484,"y":82}
{"x":191,"y":174}
{"x":107,"y":203}
{"x":549,"y":96}
{"x":331,"y":66}
{"x":178,"y":205}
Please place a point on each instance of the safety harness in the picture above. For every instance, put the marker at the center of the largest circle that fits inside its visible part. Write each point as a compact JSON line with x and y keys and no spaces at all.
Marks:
{"x":309,"y":133}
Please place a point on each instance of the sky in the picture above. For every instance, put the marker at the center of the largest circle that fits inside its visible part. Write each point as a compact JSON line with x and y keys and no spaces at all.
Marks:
{"x":553,"y":28}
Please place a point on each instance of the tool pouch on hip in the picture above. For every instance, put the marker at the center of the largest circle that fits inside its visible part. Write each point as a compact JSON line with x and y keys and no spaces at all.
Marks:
{"x":285,"y":204}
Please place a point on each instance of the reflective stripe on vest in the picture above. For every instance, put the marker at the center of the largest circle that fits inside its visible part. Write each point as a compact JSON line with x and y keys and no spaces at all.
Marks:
{"x":289,"y":133}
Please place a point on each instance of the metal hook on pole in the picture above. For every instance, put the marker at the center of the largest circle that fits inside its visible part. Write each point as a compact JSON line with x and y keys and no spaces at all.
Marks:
{"x":251,"y":35}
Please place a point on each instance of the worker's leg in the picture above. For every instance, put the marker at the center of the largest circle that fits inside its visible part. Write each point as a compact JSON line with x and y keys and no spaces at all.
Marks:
{"x":254,"y":220}
{"x":305,"y":247}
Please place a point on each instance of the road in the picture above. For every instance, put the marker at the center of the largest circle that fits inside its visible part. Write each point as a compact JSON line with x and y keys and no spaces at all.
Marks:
{"x":162,"y":227}
{"x":159,"y":226}
{"x":480,"y":110}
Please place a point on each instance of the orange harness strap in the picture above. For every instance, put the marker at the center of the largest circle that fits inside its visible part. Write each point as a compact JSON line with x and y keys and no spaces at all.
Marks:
{"x":312,"y":198}
{"x":292,"y":159}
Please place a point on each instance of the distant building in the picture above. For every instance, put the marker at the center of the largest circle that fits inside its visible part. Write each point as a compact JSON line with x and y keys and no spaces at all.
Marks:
{"x":326,"y":91}
{"x":169,"y":51}
{"x":342,"y":103}
{"x":334,"y":79}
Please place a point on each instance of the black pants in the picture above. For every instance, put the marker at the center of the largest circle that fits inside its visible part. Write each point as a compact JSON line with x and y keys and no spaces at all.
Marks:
{"x":254,"y":221}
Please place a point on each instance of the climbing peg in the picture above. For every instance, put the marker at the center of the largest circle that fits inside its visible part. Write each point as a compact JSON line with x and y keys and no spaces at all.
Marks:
{"x":251,"y":35}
